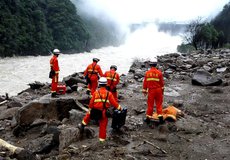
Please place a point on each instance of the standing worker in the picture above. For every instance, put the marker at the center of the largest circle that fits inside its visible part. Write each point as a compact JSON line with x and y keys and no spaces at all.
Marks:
{"x":54,"y":72}
{"x":99,"y":103}
{"x":113,"y":79}
{"x":92,"y":73}
{"x":153,"y":85}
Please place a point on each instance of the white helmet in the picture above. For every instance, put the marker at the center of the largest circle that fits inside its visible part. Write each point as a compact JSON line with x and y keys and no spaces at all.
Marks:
{"x":56,"y":51}
{"x":153,"y":63}
{"x":102,"y":81}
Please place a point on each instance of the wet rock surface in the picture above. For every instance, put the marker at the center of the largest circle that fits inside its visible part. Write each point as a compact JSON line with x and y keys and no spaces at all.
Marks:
{"x":47,"y":128}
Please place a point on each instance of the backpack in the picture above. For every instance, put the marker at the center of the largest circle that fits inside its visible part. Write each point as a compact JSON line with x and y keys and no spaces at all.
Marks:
{"x":96,"y":114}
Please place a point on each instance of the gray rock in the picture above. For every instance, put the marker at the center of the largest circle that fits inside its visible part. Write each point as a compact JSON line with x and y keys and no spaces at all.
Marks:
{"x":207,"y":68}
{"x":221,"y":70}
{"x":46,"y":108}
{"x":42,"y":144}
{"x":36,"y":85}
{"x":14,"y":103}
{"x":204,"y":78}
{"x":171,"y":92}
{"x":168,"y":71}
{"x":70,"y":81}
{"x":9,"y":113}
{"x":67,"y":136}
{"x":76,"y":116}
{"x":178,"y":103}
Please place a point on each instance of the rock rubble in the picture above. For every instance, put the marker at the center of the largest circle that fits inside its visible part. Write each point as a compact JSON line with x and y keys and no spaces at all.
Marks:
{"x":197,"y":83}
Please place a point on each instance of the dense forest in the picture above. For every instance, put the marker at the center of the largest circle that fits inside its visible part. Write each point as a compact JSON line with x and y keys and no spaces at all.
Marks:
{"x":35,"y":27}
{"x":208,"y":34}
{"x":222,"y":23}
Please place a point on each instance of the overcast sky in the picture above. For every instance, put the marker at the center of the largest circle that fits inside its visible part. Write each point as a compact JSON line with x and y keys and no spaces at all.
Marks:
{"x":148,"y":41}
{"x":134,"y":11}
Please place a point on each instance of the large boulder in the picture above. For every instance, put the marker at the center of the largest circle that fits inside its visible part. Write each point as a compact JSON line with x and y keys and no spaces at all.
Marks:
{"x":70,"y":81}
{"x":204,"y":78}
{"x":46,"y":108}
{"x":68,"y":135}
{"x":42,"y":144}
{"x":36,"y":85}
{"x":8,"y":113}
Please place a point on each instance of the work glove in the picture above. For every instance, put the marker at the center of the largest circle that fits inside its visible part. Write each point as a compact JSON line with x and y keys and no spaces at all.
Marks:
{"x":119,"y":108}
{"x":144,"y":92}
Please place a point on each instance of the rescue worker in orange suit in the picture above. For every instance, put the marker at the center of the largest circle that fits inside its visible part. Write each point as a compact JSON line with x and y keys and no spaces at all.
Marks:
{"x":113,"y":79}
{"x":54,"y":67}
{"x":92,"y":72}
{"x":153,"y":86}
{"x":101,"y":100}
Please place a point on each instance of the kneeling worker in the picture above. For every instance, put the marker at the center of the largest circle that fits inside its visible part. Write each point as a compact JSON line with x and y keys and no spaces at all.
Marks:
{"x":100,"y":102}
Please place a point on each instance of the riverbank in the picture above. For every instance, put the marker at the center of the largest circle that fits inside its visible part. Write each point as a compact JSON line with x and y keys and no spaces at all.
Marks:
{"x":32,"y":117}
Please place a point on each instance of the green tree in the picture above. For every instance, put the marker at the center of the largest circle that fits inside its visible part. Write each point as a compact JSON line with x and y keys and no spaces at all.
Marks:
{"x":207,"y":36}
{"x":68,"y":30}
{"x":222,"y":24}
{"x":35,"y":26}
{"x":202,"y":35}
{"x":191,"y":36}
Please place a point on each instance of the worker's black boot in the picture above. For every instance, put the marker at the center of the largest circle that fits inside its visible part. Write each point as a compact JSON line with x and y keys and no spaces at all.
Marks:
{"x":54,"y":94}
{"x":147,"y":120}
{"x":161,"y":119}
{"x":88,"y":91}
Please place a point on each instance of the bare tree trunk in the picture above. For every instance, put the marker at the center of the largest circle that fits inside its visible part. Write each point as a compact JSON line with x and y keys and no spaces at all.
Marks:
{"x":18,"y":152}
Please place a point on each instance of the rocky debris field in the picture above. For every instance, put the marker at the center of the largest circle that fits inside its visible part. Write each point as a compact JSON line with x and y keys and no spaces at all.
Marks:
{"x":35,"y":126}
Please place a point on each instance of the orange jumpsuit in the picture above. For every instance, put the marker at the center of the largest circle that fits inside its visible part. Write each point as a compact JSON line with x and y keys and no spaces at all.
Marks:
{"x":113,"y":79}
{"x":169,"y":113}
{"x":93,"y":70}
{"x":54,"y":66}
{"x":154,"y":85}
{"x":97,"y":103}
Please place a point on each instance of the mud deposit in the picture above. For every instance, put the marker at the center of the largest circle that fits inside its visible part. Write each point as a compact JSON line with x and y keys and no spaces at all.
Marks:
{"x":203,"y":133}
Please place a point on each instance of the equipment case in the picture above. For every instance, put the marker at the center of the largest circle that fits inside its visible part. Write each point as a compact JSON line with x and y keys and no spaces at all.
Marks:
{"x":61,"y":89}
{"x":119,"y":118}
